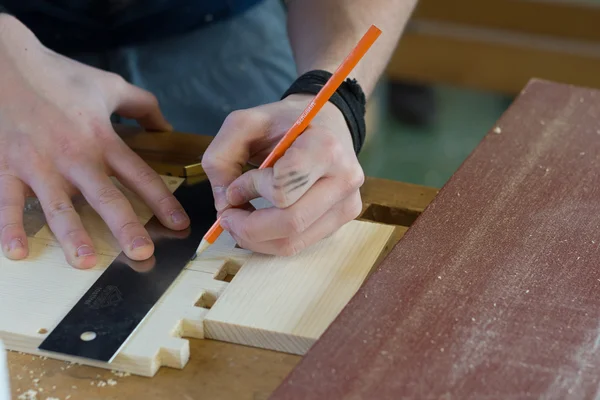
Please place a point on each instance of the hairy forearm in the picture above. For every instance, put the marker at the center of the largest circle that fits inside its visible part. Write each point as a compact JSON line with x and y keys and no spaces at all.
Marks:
{"x":323,"y":32}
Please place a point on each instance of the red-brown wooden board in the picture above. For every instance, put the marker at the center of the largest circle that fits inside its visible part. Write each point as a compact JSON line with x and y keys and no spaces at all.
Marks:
{"x":494,"y":292}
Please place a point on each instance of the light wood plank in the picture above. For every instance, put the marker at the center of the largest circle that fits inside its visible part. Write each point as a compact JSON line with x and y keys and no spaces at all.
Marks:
{"x":37,"y":292}
{"x":285,"y":304}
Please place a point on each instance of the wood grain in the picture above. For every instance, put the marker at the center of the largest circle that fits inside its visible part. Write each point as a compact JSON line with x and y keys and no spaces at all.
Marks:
{"x":285,"y":304}
{"x":494,"y":292}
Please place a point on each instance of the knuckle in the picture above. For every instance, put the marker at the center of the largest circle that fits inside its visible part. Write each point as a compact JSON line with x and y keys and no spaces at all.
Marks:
{"x":108,"y":195}
{"x":116,"y":79}
{"x":353,"y":208}
{"x":280,"y":198}
{"x":7,"y":226}
{"x":145,"y":176}
{"x":57,"y":208}
{"x":292,"y":247}
{"x":356,"y":178}
{"x":248,"y":119}
{"x":129,"y":226}
{"x":152,"y":99}
{"x":66,"y":146}
{"x":331,"y":147}
{"x":352,"y":179}
{"x":101,"y":130}
{"x":296,"y":223}
{"x":75,"y":232}
{"x":4,"y":166}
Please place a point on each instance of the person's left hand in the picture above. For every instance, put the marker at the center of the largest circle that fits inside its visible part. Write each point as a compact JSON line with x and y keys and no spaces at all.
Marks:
{"x":314,"y":187}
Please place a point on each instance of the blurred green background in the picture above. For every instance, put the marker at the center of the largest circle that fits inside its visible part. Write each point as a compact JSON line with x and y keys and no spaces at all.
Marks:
{"x":429,"y":154}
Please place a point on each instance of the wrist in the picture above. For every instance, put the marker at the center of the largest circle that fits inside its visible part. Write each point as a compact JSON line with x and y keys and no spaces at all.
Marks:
{"x":348,"y":98}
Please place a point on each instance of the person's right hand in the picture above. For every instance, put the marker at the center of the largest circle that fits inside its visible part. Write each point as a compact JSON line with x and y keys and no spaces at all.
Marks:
{"x":56,"y":140}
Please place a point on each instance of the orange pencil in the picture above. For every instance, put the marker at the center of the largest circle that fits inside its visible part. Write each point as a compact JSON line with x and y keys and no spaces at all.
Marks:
{"x":306,"y":117}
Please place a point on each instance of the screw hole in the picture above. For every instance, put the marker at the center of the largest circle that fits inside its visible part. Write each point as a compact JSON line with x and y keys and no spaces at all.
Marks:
{"x":88,"y":336}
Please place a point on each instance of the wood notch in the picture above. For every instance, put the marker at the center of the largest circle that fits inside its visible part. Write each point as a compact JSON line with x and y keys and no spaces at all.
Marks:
{"x":228,"y":270}
{"x":286,"y":303}
{"x":206,"y":300}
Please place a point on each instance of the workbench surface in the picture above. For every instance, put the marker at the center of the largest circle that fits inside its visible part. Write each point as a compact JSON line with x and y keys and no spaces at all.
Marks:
{"x":216,"y":370}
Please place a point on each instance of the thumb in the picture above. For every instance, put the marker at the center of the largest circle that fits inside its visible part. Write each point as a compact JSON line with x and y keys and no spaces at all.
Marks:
{"x":141,"y":105}
{"x":230,"y":150}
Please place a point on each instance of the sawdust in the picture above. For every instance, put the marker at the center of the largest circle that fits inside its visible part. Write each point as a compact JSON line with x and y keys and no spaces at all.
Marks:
{"x":120,"y":374}
{"x":28,"y":395}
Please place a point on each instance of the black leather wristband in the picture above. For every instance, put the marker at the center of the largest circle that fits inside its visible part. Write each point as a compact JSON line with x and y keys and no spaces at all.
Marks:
{"x":349,"y":99}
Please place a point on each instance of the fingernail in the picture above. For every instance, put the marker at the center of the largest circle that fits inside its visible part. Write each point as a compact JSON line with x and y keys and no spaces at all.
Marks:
{"x":139,"y":242}
{"x":15,"y":244}
{"x":84,"y":251}
{"x":225,"y":224}
{"x":179,"y":216}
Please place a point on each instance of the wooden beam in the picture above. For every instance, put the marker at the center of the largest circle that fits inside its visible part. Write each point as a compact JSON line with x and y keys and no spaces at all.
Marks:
{"x":437,"y":53}
{"x":560,"y":19}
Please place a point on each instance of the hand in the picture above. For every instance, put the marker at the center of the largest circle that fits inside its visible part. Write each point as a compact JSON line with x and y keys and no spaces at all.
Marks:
{"x":314,"y":187}
{"x":56,"y":140}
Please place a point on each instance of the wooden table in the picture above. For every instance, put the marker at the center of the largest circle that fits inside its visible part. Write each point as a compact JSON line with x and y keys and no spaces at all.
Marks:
{"x":216,"y":370}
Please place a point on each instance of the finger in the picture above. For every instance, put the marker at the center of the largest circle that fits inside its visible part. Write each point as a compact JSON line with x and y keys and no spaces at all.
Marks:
{"x":275,"y":223}
{"x":135,"y":174}
{"x":292,"y":176}
{"x":139,"y":104}
{"x":12,"y":232}
{"x":229,"y":151}
{"x":63,"y":220}
{"x":313,"y":155}
{"x":343,"y":212}
{"x":114,"y":208}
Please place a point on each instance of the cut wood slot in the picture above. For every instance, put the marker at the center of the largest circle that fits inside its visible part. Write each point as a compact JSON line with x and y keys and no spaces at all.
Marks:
{"x":286,"y":303}
{"x":228,"y":271}
{"x":206,"y":300}
{"x":389,"y":215}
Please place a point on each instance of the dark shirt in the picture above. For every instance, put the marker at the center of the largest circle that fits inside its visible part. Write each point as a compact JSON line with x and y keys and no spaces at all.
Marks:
{"x":71,"y":26}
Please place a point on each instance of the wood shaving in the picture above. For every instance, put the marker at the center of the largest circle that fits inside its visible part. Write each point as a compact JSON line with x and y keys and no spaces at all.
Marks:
{"x":111,"y":382}
{"x":28,"y":395}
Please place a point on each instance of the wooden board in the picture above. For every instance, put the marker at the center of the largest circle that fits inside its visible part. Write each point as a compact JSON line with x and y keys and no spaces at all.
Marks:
{"x":286,"y":305}
{"x":37,"y":292}
{"x":494,"y":292}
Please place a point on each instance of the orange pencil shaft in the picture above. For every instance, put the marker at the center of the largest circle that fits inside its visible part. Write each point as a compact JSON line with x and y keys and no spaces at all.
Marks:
{"x":311,"y":110}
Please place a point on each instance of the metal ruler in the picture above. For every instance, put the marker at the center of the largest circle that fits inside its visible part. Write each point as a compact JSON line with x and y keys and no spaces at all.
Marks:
{"x":102,"y":321}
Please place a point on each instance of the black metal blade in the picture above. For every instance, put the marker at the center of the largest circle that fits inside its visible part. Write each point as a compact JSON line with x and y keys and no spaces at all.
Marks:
{"x":123,"y":295}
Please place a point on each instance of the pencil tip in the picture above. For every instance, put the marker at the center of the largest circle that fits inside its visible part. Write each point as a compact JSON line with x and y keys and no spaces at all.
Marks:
{"x":204,"y":244}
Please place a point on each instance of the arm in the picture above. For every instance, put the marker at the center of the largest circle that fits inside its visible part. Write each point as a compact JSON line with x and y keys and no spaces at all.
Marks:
{"x":322,"y":32}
